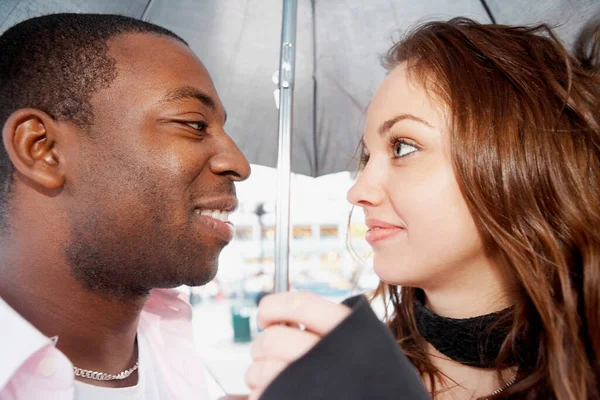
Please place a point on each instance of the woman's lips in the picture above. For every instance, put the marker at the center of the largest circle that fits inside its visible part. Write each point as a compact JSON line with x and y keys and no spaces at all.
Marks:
{"x":380,"y":230}
{"x":375,"y":235}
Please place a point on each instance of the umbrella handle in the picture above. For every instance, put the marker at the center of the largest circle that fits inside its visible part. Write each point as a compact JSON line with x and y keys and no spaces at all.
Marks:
{"x":287,"y":65}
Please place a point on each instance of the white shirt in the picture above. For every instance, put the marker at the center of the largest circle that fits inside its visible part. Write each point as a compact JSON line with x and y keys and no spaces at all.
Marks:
{"x":32,"y":368}
{"x":149,"y":386}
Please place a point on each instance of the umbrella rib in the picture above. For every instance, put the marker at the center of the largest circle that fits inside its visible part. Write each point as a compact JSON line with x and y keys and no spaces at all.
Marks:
{"x":146,"y":10}
{"x":488,"y":11}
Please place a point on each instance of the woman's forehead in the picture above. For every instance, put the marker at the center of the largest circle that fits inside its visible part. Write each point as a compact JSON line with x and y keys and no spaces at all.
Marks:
{"x":399,"y":95}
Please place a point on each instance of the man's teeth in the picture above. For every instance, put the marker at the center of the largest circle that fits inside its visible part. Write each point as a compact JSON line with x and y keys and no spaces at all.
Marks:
{"x":216,"y":214}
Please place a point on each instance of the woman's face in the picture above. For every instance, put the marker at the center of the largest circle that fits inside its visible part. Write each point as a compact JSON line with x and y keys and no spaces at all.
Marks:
{"x":420,"y":228}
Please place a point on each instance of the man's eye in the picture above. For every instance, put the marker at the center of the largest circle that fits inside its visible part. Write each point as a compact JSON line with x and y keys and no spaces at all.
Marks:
{"x":402,"y":149}
{"x":197,"y":125}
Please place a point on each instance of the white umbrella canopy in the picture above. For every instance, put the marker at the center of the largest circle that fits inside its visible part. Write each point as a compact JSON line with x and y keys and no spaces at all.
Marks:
{"x":338,"y":46}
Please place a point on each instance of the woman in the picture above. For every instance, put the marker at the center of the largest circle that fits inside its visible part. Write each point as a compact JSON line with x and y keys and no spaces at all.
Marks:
{"x":480,"y":184}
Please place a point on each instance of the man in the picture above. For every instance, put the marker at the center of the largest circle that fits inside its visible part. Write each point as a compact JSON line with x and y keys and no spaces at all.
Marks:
{"x":116,"y":178}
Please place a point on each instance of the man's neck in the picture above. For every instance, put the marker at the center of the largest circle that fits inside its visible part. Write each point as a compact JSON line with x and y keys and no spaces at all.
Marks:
{"x":95,"y":332}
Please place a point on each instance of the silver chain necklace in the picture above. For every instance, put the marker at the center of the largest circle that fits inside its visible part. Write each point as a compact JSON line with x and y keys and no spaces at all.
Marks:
{"x":503,"y":388}
{"x":102,"y":376}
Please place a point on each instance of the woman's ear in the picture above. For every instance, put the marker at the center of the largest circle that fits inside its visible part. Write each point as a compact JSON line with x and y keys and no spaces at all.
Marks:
{"x":30,"y":137}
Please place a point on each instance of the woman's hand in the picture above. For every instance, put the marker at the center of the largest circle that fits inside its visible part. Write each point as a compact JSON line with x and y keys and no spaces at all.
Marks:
{"x":307,"y":318}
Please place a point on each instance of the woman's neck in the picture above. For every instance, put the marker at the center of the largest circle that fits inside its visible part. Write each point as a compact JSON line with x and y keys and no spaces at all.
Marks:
{"x":460,"y":381}
{"x":471,"y":292}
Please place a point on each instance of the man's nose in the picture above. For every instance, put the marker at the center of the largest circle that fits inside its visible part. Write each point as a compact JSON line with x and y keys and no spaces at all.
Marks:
{"x":230,"y":161}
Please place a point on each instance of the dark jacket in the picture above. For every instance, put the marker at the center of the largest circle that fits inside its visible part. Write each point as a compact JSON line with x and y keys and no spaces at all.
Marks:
{"x":359,"y":359}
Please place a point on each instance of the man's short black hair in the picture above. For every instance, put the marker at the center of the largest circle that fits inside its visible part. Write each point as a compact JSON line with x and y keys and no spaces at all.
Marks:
{"x":54,"y":63}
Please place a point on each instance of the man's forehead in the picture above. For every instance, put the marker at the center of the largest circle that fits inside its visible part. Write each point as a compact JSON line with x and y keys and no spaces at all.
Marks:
{"x":159,"y":62}
{"x":152,"y":56}
{"x":140,"y":43}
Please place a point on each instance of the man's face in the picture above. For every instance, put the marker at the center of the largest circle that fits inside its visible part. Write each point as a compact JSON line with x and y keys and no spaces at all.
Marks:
{"x":144,"y":176}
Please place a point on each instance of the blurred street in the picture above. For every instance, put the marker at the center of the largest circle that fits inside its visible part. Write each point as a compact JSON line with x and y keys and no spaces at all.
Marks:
{"x":225,"y":360}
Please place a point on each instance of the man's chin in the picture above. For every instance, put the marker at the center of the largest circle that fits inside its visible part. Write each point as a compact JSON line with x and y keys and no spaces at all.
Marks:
{"x":197,"y":281}
{"x":200,"y":276}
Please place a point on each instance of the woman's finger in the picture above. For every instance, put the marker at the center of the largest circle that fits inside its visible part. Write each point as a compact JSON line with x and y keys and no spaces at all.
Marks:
{"x":316,"y":313}
{"x":282,"y":343}
{"x":260,"y":373}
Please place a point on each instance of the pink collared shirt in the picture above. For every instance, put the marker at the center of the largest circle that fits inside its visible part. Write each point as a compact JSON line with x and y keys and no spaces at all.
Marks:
{"x":31,"y":367}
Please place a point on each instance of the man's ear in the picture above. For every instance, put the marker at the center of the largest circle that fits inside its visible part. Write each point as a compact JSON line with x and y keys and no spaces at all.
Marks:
{"x":30,"y":137}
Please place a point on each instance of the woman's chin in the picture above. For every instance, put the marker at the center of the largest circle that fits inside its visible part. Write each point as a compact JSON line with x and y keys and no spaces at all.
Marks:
{"x":392,"y":274}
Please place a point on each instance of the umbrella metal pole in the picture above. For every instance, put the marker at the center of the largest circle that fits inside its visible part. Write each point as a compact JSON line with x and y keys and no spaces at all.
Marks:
{"x":287,"y":64}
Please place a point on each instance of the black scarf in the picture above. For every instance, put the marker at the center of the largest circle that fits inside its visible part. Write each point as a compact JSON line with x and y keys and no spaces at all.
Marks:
{"x":470,"y":341}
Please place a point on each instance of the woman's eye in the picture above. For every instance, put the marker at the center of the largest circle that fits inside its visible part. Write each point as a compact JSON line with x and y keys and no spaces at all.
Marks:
{"x":402,"y":149}
{"x":198,"y":125}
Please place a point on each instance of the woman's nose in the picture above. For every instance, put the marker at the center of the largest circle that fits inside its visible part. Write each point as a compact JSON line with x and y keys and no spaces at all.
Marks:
{"x":367,"y":190}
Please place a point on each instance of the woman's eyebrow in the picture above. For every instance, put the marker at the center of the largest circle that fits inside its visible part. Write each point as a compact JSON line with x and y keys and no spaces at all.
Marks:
{"x":387,"y":125}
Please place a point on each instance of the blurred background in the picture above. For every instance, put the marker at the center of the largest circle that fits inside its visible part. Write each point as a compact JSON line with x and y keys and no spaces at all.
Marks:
{"x":225,"y":309}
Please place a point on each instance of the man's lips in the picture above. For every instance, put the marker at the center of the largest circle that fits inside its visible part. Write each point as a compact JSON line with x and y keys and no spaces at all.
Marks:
{"x":227,"y":203}
{"x":222,"y":229}
{"x":380,"y":230}
{"x":214,"y":214}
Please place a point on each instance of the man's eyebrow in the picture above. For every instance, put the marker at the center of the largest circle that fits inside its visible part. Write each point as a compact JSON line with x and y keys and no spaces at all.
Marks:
{"x":387,"y":125}
{"x":190,"y":92}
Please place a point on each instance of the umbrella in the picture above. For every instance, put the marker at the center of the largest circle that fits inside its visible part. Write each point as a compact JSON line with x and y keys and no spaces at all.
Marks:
{"x":337,"y":57}
{"x":328,"y":74}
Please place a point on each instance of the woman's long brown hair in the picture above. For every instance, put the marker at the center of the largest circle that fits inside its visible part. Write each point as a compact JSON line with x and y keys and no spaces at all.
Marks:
{"x":525,"y":145}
